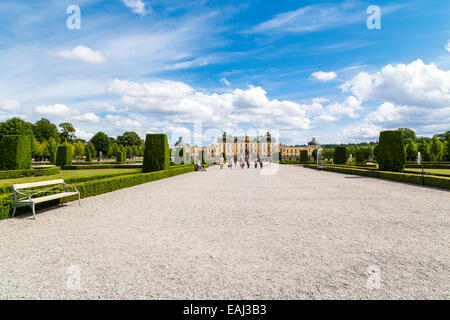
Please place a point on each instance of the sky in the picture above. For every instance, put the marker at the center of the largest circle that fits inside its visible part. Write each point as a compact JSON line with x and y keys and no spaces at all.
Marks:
{"x":301,"y":69}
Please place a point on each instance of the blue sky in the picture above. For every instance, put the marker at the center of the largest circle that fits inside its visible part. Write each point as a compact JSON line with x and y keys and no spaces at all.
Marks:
{"x":299,"y":68}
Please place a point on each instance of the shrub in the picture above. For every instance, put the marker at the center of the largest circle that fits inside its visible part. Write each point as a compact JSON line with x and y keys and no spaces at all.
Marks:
{"x":64,"y":155}
{"x":121,"y":157}
{"x":359,"y":153}
{"x":156,"y":153}
{"x":430,"y":181}
{"x":340,"y":155}
{"x":15,"y":152}
{"x":303,"y":156}
{"x":391,"y":151}
{"x":12,"y":174}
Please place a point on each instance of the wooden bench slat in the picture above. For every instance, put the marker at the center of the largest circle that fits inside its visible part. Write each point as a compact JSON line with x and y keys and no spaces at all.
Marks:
{"x":37,"y":184}
{"x":53,"y":197}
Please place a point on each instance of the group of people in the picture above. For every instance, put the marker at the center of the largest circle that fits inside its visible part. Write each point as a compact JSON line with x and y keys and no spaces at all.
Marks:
{"x":242,"y":163}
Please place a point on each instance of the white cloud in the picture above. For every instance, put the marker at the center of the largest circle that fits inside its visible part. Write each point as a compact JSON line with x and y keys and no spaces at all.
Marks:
{"x":335,"y":111}
{"x":448,"y":46}
{"x":87,"y":117}
{"x":415,"y":84}
{"x":324,"y":76}
{"x":83,"y":134}
{"x":225,"y":81}
{"x":9,"y":105}
{"x":179,"y":102}
{"x":137,"y":6}
{"x":59,"y":110}
{"x":82,"y":53}
{"x":123,"y":123}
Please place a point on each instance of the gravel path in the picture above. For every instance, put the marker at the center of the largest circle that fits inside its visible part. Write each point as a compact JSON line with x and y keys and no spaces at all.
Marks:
{"x":236,"y":234}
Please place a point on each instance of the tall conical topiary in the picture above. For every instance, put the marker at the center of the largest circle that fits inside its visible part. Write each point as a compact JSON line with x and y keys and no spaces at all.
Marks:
{"x":156,"y":153}
{"x":391,"y":151}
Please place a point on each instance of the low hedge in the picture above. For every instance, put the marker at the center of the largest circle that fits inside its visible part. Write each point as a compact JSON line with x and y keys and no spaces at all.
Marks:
{"x":428,"y":180}
{"x":12,"y":174}
{"x":96,"y":187}
{"x":102,"y":166}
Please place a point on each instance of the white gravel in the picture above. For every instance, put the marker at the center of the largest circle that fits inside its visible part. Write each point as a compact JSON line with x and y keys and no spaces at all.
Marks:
{"x":299,"y":234}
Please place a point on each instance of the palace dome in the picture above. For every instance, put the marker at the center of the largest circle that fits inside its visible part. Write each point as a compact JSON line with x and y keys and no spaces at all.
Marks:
{"x":180,"y":143}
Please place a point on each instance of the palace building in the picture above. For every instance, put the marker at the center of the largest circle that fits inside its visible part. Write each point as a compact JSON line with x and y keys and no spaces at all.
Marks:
{"x":290,"y":152}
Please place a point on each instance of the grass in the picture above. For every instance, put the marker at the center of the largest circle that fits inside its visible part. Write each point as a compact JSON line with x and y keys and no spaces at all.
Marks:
{"x":441,"y":172}
{"x":65,"y":174}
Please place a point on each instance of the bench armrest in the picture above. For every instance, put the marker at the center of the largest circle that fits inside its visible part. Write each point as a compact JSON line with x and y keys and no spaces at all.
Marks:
{"x":22,"y":194}
{"x":73,"y":187}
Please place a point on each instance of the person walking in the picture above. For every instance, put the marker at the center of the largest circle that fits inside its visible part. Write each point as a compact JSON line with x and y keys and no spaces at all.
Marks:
{"x":260,"y":164}
{"x":248,"y":163}
{"x":230,"y":165}
{"x":256,"y":163}
{"x":221,"y":162}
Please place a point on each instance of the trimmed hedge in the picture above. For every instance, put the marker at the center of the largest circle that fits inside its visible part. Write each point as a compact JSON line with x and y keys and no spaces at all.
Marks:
{"x":102,"y":166}
{"x":303,"y":156}
{"x":64,"y":156}
{"x":15,"y":152}
{"x":156,"y":153}
{"x":340,"y":155}
{"x":359,"y":156}
{"x":94,"y":187}
{"x":391,"y":151}
{"x":430,"y":181}
{"x":121,"y":157}
{"x":12,"y":174}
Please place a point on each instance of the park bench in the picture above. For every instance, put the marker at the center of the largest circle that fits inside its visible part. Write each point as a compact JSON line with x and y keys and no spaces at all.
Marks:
{"x":25,"y":194}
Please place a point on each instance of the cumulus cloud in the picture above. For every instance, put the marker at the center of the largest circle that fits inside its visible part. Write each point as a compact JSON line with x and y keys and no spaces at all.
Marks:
{"x":336,"y":110}
{"x":83,"y":54}
{"x":448,"y":46}
{"x":137,"y":6}
{"x":415,"y":84}
{"x":180,"y":102}
{"x":59,"y":110}
{"x":87,"y":117}
{"x":9,"y":105}
{"x":415,"y":95}
{"x":83,"y":134}
{"x":324,"y":76}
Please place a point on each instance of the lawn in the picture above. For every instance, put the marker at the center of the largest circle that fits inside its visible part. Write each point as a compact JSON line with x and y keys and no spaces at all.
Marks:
{"x":65,"y":174}
{"x":443,"y":172}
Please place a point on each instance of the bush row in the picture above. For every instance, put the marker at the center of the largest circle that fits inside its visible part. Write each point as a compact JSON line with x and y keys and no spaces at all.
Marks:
{"x":430,"y":181}
{"x":12,"y":174}
{"x":102,"y":166}
{"x":96,"y":187}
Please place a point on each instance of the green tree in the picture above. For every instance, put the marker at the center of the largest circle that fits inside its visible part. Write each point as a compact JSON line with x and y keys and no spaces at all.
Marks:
{"x":314,"y":154}
{"x":67,"y":131}
{"x":411,"y":150}
{"x":129,"y":138}
{"x":16,"y":126}
{"x":101,"y":142}
{"x":52,"y":149}
{"x":447,"y":150}
{"x":359,"y":155}
{"x":408,"y":134}
{"x":79,"y":150}
{"x":436,"y":148}
{"x":43,"y":130}
{"x":89,"y":151}
{"x":424,"y":150}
